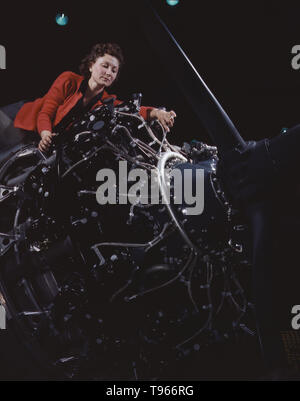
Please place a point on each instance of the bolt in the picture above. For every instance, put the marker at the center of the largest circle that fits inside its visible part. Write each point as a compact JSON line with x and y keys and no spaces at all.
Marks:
{"x":113,"y":258}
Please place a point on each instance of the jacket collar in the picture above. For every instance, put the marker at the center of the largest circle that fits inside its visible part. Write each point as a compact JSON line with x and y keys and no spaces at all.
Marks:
{"x":83,"y":87}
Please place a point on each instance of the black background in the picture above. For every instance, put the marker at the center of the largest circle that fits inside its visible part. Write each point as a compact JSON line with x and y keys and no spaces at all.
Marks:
{"x":241,"y":49}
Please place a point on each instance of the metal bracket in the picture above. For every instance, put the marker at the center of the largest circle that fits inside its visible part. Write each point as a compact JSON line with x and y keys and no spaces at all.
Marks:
{"x":6,"y":241}
{"x":99,"y":254}
{"x":6,"y":192}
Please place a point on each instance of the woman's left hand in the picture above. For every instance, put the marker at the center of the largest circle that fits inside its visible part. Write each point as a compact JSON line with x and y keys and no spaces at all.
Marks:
{"x":166,"y":118}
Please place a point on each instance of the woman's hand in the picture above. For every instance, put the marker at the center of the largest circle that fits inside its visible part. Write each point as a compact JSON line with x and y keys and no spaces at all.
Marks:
{"x":166,"y":118}
{"x":46,"y":140}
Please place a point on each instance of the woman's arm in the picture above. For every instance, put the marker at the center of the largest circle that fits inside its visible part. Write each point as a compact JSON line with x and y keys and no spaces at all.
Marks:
{"x":46,"y":140}
{"x":166,"y":118}
{"x":54,"y":98}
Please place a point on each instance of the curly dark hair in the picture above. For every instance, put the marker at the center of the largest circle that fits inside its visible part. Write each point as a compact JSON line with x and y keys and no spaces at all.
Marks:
{"x":99,"y":50}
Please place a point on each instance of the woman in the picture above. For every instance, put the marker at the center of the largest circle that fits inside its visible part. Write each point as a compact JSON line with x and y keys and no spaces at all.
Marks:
{"x":71,"y":94}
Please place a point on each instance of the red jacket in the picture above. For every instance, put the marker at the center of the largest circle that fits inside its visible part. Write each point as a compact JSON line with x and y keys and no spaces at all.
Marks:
{"x":46,"y":112}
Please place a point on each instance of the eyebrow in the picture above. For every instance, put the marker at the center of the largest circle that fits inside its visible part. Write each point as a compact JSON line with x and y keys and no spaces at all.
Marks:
{"x":113,"y":65}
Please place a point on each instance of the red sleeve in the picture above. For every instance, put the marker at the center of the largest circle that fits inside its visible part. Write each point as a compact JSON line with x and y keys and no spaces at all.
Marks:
{"x":145,"y":112}
{"x":55,"y":97}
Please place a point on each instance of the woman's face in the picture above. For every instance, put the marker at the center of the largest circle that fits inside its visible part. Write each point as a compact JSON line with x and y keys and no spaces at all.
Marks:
{"x":105,"y":70}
